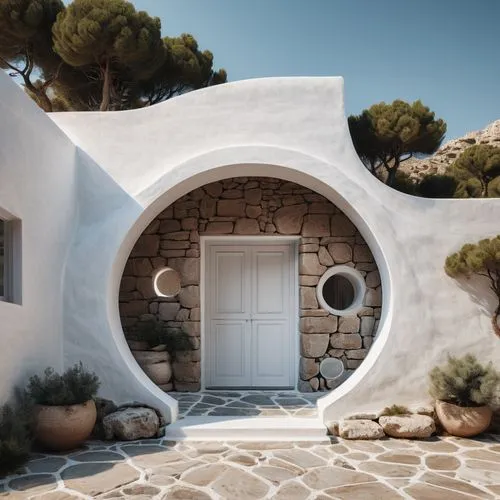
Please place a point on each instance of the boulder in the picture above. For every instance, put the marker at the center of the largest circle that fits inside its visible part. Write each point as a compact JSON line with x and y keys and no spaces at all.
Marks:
{"x":408,"y":426}
{"x":103,"y":408}
{"x":288,"y":220}
{"x":129,"y":424}
{"x":360,"y":429}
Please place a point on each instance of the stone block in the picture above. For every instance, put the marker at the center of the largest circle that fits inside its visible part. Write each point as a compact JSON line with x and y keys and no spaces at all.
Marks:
{"x":372,"y":279}
{"x":292,"y":200}
{"x":246,"y":226}
{"x":340,"y":252}
{"x":189,"y":296}
{"x":219,"y":228}
{"x":134,"y":308}
{"x":309,"y":248}
{"x":253,"y":196}
{"x":316,"y":225}
{"x":232,"y":194}
{"x":326,"y":324}
{"x":147,"y":246}
{"x":169,"y":226}
{"x":182,"y":315}
{"x":321,"y":208}
{"x":346,"y":341}
{"x":188,"y":268}
{"x":340,"y":225}
{"x":360,"y":429}
{"x":349,"y":324}
{"x":153,"y":227}
{"x":189,"y":223}
{"x":308,"y":368}
{"x":367,"y":325}
{"x":314,"y":345}
{"x":362,"y":254}
{"x":191,"y":328}
{"x":129,"y":424}
{"x":145,"y":287}
{"x":195,"y":314}
{"x":324,"y":257}
{"x":168,"y":310}
{"x":308,"y":298}
{"x":231,"y":208}
{"x":186,"y":372}
{"x":313,"y":313}
{"x":408,"y":426}
{"x":208,"y":207}
{"x":187,"y":386}
{"x":308,"y":280}
{"x":253,"y":211}
{"x":127,"y":284}
{"x":288,"y":220}
{"x":214,"y":189}
{"x":373,"y":297}
{"x":352,"y":364}
{"x":309,"y":264}
{"x":174,"y":245}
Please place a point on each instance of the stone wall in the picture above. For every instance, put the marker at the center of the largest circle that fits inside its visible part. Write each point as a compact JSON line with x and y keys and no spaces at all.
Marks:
{"x":253,"y":206}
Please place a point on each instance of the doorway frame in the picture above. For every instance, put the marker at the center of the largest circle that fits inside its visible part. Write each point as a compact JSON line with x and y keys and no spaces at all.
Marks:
{"x":293,"y":242}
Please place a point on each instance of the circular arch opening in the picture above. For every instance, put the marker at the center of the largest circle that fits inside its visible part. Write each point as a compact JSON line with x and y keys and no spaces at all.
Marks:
{"x":179,"y":193}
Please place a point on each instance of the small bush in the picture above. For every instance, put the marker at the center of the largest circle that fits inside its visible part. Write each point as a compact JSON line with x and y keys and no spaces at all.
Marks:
{"x":16,"y":433}
{"x":75,"y":386}
{"x":390,"y":411}
{"x":156,"y":333}
{"x":465,"y":382}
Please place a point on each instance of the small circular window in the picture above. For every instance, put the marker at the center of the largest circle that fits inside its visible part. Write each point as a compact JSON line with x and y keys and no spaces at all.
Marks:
{"x":341,"y":290}
{"x":167,"y":282}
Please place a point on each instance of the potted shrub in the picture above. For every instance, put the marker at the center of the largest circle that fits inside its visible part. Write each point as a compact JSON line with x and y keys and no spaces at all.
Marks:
{"x":157,"y":345}
{"x":464,"y":390}
{"x":65,"y":411}
{"x":16,"y":433}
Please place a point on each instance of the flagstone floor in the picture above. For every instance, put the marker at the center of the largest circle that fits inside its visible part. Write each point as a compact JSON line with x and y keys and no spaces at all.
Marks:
{"x":247,"y":403}
{"x":441,"y":468}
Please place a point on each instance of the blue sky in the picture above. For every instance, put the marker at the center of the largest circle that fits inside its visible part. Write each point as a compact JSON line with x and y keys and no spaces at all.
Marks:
{"x":444,"y":52}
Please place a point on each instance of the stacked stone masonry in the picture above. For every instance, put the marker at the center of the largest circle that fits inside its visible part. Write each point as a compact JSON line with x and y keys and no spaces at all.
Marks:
{"x":253,"y":206}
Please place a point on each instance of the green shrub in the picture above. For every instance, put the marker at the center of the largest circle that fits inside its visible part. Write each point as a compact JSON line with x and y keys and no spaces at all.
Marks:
{"x":156,"y":333}
{"x":465,"y":382}
{"x":16,"y":433}
{"x":395,"y":410}
{"x":75,"y":386}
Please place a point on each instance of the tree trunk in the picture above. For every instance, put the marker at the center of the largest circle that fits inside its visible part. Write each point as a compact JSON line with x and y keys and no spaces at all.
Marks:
{"x":106,"y":87}
{"x":391,"y":176}
{"x":42,"y":99}
{"x":494,"y":321}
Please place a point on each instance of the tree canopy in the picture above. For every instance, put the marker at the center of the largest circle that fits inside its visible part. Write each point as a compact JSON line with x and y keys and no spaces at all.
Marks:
{"x":387,"y":134}
{"x":98,"y":54}
{"x":477,"y":172}
{"x":483,"y":259}
{"x":26,"y":43}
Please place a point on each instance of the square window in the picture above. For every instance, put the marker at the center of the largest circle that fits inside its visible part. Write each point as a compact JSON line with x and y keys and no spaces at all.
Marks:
{"x":10,"y":261}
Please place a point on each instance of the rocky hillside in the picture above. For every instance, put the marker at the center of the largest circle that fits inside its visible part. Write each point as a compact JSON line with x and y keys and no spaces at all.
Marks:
{"x":446,"y":155}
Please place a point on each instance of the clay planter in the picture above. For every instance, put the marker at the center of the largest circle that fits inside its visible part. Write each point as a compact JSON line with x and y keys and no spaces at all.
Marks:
{"x":61,"y":428}
{"x":156,"y":365}
{"x":463,"y":421}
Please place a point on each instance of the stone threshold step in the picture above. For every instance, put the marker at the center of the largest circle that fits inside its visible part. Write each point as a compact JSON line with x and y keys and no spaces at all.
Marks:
{"x":247,"y":429}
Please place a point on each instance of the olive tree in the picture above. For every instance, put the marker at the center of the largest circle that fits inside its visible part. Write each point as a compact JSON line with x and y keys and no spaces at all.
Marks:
{"x":483,"y":259}
{"x":385,"y":135}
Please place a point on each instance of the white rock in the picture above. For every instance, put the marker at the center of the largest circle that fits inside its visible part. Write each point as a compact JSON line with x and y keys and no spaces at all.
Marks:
{"x":408,"y":426}
{"x":360,"y":429}
{"x":131,"y":423}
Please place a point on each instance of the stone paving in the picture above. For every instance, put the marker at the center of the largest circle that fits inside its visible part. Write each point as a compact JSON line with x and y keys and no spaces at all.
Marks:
{"x":247,"y":403}
{"x":439,"y":468}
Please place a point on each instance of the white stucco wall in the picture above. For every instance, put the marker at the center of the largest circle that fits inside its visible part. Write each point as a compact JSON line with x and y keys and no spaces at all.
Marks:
{"x":37,"y":185}
{"x":295,"y":129}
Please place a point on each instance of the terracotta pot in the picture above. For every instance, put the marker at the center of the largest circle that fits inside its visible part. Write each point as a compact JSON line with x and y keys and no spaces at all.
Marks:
{"x":463,"y":421}
{"x":159,"y":373}
{"x":63,"y":428}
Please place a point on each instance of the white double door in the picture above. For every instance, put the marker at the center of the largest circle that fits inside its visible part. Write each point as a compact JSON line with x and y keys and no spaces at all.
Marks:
{"x":250,"y":316}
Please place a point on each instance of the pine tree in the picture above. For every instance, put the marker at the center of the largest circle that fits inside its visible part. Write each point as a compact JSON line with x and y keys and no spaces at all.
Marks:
{"x":477,"y":171}
{"x":110,"y":38}
{"x":26,"y":44}
{"x":385,"y":135}
{"x":482,"y":259}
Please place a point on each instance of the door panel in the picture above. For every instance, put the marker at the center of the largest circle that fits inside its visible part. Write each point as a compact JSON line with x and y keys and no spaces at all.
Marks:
{"x":229,"y":351}
{"x":270,"y":354}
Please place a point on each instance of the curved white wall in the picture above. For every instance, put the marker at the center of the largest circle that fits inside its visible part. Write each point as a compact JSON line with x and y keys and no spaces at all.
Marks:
{"x":133,"y":164}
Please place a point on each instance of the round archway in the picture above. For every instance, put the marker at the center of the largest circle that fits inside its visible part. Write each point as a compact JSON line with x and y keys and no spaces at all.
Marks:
{"x":250,"y":220}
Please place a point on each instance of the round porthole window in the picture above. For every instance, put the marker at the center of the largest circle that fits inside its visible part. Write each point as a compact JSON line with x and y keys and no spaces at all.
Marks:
{"x":167,"y":282}
{"x":341,"y":290}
